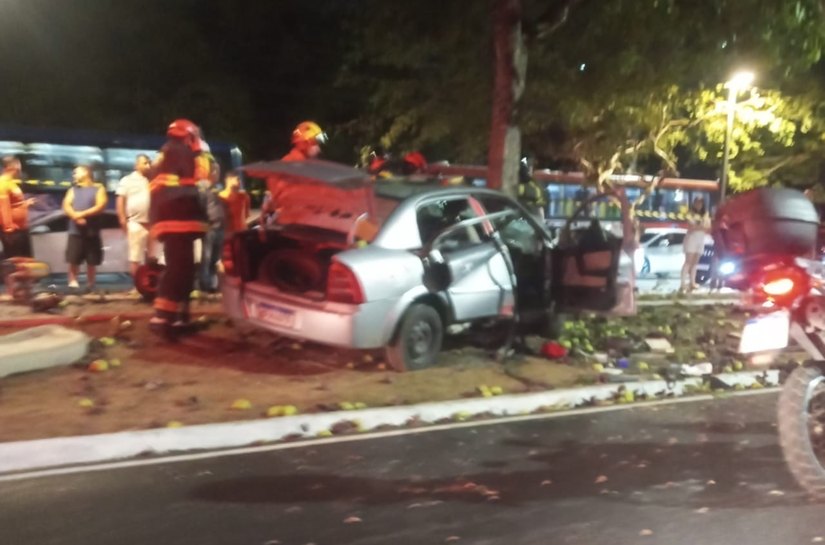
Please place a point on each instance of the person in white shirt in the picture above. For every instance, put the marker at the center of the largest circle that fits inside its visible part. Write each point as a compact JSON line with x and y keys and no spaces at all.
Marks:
{"x":133,"y":210}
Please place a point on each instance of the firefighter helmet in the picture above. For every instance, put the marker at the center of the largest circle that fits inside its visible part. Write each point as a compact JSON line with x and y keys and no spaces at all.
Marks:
{"x":308,"y":132}
{"x":181,"y":128}
{"x":416,"y":161}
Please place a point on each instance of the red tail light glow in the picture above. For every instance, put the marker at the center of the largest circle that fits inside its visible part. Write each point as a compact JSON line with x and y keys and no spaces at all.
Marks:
{"x":779,"y":287}
{"x":343,"y":286}
{"x":784,"y":285}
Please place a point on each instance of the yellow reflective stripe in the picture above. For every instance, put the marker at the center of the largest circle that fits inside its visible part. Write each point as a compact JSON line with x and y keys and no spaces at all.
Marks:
{"x":32,"y":182}
{"x":48,"y":182}
{"x":64,"y":183}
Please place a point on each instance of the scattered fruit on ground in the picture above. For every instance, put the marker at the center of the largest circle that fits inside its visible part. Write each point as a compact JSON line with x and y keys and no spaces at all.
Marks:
{"x":99,"y":366}
{"x":241,"y":405}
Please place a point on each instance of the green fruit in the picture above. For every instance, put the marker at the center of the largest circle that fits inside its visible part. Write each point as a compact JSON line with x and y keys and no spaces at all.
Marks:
{"x":497,"y":390}
{"x":738,"y":365}
{"x":346,"y":406}
{"x":289,"y":410}
{"x":700,"y":355}
{"x":642,"y":366}
{"x":360,"y":405}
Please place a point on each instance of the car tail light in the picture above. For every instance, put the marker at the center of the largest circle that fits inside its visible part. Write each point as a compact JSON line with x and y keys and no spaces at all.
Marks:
{"x":228,"y":259}
{"x":343,"y":286}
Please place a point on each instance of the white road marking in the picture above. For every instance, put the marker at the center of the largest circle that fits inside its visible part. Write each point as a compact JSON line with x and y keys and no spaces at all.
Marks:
{"x":71,"y":470}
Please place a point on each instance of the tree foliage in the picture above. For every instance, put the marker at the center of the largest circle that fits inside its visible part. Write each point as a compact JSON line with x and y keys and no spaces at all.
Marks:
{"x":618,"y":87}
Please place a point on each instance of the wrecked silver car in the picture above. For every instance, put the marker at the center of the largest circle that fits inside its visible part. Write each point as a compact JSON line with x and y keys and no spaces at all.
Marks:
{"x":362,"y":264}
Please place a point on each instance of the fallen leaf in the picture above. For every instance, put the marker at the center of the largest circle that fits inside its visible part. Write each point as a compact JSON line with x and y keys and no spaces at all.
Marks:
{"x":547,"y":482}
{"x":86,"y":403}
{"x":702,"y":510}
{"x":601,"y":479}
{"x":646,"y":532}
{"x":711,"y":482}
{"x":776,"y":493}
{"x":818,"y":539}
{"x":352,"y":520}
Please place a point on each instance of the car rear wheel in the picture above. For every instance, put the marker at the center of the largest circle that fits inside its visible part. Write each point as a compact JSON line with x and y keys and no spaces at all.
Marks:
{"x":418,"y":341}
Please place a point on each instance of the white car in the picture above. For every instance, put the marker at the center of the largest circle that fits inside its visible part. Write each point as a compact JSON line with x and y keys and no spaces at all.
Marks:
{"x":661,"y":252}
{"x":49,"y":236}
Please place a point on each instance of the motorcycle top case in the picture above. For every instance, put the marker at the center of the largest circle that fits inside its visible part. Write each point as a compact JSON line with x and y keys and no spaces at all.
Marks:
{"x":767,"y":221}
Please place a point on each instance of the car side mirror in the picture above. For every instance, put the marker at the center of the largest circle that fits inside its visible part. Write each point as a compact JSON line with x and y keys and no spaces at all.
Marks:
{"x":437,"y":274}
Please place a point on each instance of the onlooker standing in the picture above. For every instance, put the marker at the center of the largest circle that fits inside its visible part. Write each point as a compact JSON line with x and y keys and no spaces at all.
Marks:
{"x":83,"y":204}
{"x":133,"y":210}
{"x":14,"y":212}
{"x":237,"y":204}
{"x":216,"y":218}
{"x":694,"y":243}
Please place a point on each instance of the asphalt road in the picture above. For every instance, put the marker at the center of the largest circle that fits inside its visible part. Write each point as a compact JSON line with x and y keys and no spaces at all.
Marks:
{"x":689,"y":473}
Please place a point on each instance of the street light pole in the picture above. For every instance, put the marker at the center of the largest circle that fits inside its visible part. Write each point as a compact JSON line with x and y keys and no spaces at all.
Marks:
{"x":738,"y":82}
{"x":723,"y":186}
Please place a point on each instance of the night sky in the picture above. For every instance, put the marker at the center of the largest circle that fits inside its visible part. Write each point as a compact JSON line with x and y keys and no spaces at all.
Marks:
{"x":247,"y":71}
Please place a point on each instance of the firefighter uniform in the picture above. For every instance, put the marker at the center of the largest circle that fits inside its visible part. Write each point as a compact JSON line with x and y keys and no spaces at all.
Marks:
{"x":177,"y":218}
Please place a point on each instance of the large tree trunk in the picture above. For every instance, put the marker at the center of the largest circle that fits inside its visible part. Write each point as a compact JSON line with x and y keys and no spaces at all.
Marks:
{"x":510,"y":58}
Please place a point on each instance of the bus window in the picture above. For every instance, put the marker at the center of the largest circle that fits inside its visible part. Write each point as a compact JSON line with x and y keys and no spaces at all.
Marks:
{"x":12,"y":148}
{"x":54,"y":163}
{"x":121,"y":162}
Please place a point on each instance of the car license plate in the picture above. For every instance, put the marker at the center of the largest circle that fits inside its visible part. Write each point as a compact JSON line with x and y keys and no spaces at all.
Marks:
{"x":766,"y":332}
{"x":271,"y":314}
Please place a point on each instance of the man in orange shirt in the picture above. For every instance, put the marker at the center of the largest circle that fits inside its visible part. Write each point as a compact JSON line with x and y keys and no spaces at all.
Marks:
{"x":14,"y":211}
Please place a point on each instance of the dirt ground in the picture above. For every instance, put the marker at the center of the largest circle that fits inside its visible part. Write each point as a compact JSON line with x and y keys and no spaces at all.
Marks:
{"x":198,"y":379}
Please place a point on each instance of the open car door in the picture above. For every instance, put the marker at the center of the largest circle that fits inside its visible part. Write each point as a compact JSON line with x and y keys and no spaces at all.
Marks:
{"x":465,"y":262}
{"x":590,"y":271}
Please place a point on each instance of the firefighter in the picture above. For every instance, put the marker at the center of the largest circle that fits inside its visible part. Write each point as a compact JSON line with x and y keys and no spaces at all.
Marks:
{"x":530,"y":193}
{"x":177,"y":219}
{"x":307,"y":139}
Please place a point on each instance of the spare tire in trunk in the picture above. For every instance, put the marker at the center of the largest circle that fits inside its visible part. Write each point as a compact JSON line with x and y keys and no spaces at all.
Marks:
{"x":294,"y":271}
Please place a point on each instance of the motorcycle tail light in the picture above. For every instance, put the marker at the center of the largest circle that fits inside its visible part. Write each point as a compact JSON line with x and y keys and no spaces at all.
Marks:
{"x":785,"y":285}
{"x":779,"y":287}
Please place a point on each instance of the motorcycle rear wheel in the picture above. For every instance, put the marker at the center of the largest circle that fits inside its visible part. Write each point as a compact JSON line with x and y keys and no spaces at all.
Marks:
{"x":801,"y":424}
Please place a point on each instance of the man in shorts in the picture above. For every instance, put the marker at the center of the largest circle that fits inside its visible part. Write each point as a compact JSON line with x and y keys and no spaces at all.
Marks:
{"x":133,"y":210}
{"x":83,"y":204}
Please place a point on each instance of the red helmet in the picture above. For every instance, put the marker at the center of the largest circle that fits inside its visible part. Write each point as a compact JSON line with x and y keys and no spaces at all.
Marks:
{"x":308,"y":132}
{"x":181,"y":128}
{"x":416,"y":160}
{"x":189,"y":132}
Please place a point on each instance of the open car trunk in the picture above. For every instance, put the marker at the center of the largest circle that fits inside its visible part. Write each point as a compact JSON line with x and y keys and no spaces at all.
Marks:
{"x":323,"y":208}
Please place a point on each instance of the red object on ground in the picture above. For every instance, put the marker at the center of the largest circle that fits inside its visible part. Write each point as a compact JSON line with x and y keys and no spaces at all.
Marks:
{"x":553,"y":350}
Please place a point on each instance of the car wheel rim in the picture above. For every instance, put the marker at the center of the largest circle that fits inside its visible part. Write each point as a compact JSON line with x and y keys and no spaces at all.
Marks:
{"x":420,"y":339}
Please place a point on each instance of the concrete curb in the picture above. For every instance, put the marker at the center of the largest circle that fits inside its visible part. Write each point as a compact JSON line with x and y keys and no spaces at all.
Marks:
{"x":62,"y":451}
{"x":687,"y":302}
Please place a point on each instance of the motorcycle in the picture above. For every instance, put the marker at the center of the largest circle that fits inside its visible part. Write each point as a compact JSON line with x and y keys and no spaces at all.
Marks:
{"x":791,"y":295}
{"x":773,"y":235}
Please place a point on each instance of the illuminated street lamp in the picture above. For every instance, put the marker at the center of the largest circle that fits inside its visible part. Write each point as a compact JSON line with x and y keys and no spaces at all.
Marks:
{"x":739,"y":82}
